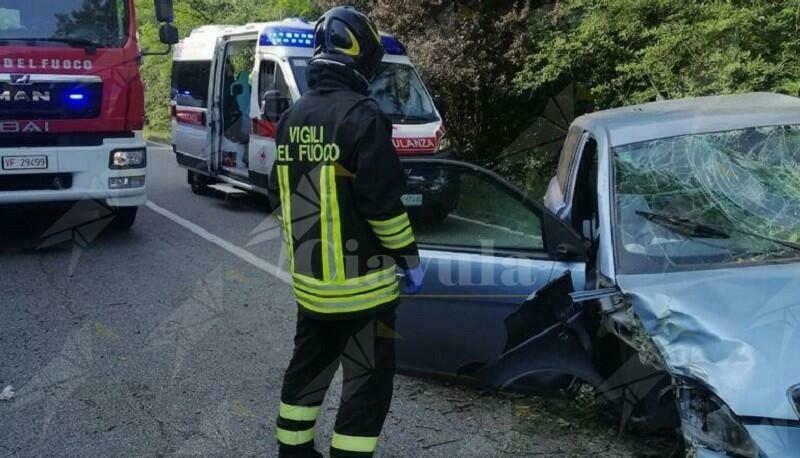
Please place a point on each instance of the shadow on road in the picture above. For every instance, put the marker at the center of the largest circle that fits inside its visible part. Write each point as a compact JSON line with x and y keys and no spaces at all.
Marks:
{"x":248,"y":203}
{"x":53,"y":226}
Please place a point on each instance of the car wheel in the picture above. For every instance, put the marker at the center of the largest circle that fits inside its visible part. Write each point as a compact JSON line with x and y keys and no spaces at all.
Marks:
{"x":199,"y":183}
{"x":125,"y":217}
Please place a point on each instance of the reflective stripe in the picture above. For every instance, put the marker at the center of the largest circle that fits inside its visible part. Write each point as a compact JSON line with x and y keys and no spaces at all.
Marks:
{"x":337,"y":226}
{"x":299,"y":413}
{"x":347,"y":287}
{"x":394,"y":233}
{"x":354,"y":443}
{"x":331,"y":227}
{"x":398,"y":241}
{"x":294,"y":437}
{"x":286,"y":212}
{"x":325,"y":223}
{"x":348,"y":304}
{"x":380,"y":293}
{"x":398,"y":222}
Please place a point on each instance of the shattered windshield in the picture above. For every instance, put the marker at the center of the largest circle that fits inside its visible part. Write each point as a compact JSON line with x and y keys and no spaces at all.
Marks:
{"x":745,"y":184}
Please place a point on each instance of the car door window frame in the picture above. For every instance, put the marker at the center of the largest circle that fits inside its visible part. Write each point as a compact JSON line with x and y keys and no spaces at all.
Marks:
{"x":569,"y":152}
{"x":515,"y":192}
{"x":575,"y":163}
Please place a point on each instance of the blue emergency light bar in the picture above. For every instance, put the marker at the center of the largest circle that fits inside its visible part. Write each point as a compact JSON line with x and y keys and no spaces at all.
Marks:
{"x":393,"y":45}
{"x":304,"y":38}
{"x":284,"y":36}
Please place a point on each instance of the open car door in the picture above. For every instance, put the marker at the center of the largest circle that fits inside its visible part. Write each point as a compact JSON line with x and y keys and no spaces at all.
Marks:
{"x":499,"y":268}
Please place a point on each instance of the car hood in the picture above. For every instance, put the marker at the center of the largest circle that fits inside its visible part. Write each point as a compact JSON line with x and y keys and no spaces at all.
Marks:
{"x":736,"y":330}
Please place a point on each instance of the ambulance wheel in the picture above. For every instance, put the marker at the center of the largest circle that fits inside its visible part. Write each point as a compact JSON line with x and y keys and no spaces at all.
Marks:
{"x":199,"y":183}
{"x":125,"y":217}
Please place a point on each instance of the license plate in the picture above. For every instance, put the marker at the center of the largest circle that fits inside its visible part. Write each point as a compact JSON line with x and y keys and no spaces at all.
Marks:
{"x":412,"y":200}
{"x":24,"y":162}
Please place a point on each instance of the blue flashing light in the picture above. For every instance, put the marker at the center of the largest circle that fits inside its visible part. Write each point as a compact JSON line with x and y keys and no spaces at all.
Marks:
{"x":278,"y":35}
{"x":77,"y":100}
{"x":393,"y":45}
{"x":284,"y":36}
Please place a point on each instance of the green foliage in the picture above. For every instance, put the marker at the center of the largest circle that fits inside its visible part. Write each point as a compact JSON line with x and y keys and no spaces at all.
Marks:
{"x":467,"y":52}
{"x":633,"y":51}
{"x":189,"y":14}
{"x":497,"y":65}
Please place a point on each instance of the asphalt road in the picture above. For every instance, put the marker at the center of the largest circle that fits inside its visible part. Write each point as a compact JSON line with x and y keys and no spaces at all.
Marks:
{"x":171,"y":339}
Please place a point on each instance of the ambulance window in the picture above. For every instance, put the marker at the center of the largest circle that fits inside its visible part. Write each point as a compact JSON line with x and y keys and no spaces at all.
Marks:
{"x":271,"y":78}
{"x":300,"y":70}
{"x":190,"y":83}
{"x":280,"y":84}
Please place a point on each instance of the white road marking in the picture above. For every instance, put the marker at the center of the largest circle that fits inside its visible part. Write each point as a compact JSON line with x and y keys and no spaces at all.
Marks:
{"x":237,"y":251}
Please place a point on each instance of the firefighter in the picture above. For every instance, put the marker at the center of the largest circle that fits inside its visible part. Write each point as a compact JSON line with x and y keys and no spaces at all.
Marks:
{"x":347,"y":233}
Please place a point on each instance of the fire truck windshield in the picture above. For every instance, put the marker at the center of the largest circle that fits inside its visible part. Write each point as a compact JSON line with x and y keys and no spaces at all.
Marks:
{"x":98,"y":23}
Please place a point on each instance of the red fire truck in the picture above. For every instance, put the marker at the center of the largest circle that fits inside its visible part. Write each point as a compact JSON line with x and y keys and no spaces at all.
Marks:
{"x":72,"y":102}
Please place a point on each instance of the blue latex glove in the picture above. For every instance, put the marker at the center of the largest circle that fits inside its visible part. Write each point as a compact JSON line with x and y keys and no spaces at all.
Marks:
{"x":412,"y":282}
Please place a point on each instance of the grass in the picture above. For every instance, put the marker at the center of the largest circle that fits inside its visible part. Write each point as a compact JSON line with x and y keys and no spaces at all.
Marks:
{"x":157,"y":135}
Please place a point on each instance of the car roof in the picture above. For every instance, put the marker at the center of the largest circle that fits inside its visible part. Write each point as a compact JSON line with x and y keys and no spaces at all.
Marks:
{"x":671,"y":118}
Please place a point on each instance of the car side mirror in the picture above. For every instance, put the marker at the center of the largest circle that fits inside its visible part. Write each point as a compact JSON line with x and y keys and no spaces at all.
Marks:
{"x":561,"y":241}
{"x":273,"y":105}
{"x":168,"y":34}
{"x":164,"y":12}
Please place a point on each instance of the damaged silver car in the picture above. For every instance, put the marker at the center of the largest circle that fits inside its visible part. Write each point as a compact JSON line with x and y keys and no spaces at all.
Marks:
{"x":663,"y":269}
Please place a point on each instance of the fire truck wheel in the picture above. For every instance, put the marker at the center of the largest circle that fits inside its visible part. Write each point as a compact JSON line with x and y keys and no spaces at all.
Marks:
{"x":125,"y":217}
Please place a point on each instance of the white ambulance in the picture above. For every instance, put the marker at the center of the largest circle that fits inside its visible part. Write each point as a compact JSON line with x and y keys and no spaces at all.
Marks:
{"x":231,"y":83}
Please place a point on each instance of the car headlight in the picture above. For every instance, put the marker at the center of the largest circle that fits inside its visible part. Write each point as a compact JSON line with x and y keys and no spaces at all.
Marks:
{"x":444,"y":143}
{"x":707,"y":422}
{"x":128,"y":159}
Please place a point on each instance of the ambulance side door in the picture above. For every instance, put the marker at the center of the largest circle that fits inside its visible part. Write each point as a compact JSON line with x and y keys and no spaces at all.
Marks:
{"x":215,"y":104}
{"x":190,"y":97}
{"x":270,"y":78}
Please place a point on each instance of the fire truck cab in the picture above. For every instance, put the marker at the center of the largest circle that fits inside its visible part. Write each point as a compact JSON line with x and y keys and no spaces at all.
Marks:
{"x":231,"y":84}
{"x":72,"y":103}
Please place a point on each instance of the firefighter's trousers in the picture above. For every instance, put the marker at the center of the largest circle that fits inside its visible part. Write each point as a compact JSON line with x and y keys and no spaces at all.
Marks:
{"x":365,"y":347}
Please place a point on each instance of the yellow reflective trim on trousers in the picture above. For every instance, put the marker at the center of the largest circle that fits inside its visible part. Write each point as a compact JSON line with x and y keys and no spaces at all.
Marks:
{"x":354,"y":443}
{"x":397,"y":222}
{"x":331,"y":226}
{"x":286,"y":212}
{"x":400,"y":240}
{"x":287,"y":437}
{"x":325,"y":306}
{"x":298,"y":413}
